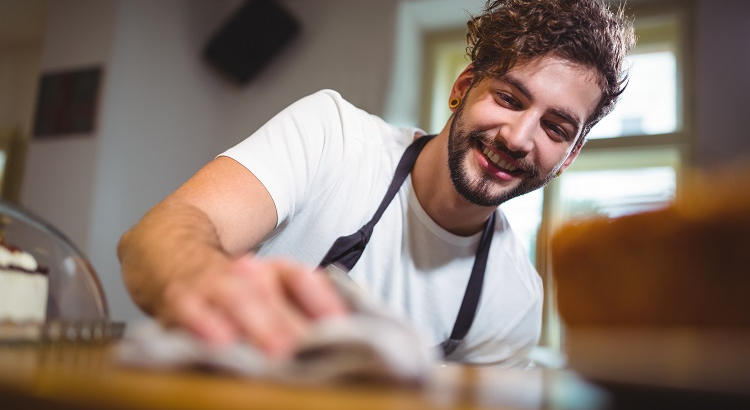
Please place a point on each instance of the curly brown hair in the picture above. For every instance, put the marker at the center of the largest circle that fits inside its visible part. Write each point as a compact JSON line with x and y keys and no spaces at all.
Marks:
{"x":585,"y":32}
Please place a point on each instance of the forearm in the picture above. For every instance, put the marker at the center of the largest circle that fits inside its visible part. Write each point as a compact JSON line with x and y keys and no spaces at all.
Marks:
{"x":172,"y":242}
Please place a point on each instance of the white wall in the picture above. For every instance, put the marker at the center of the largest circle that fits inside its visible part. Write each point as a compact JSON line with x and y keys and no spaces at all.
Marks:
{"x":343,"y":45}
{"x":722,"y":83}
{"x":159,"y":124}
{"x":59,"y":175}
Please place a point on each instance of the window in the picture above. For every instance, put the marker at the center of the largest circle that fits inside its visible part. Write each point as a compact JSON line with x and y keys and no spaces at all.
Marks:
{"x":633,"y":158}
{"x":651,"y":104}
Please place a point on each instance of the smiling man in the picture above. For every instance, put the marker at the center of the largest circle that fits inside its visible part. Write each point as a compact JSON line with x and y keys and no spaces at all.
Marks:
{"x":414,"y":218}
{"x":520,"y":128}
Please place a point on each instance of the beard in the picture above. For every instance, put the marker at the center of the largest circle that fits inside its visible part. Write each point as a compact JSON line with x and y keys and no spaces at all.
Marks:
{"x":485,"y":190}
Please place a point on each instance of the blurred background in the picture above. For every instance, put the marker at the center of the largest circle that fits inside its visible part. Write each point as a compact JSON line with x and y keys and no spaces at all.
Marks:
{"x":155,"y":110}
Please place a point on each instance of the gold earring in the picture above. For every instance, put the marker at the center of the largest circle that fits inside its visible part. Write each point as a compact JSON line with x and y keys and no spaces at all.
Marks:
{"x":558,"y":173}
{"x":454,"y":102}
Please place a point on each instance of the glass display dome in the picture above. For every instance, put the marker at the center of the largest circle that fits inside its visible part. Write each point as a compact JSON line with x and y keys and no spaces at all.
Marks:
{"x":76,"y":308}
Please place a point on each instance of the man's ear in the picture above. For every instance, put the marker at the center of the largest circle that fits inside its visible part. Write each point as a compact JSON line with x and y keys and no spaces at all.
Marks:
{"x":463,"y":83}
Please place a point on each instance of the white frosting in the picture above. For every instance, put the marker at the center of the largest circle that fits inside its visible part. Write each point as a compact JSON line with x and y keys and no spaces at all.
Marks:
{"x":19,"y":259}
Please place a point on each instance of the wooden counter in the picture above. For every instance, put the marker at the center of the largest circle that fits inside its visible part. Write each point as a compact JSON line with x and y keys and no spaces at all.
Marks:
{"x":67,"y":376}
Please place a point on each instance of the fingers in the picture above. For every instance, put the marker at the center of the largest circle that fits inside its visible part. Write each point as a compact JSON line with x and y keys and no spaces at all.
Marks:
{"x":262,"y":315}
{"x":289,"y":296}
{"x":312,"y":290}
{"x":192,"y":312}
{"x":270,"y":303}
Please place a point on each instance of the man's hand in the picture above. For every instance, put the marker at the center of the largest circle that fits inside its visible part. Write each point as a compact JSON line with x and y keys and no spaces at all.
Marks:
{"x":182,"y":263}
{"x":270,"y":303}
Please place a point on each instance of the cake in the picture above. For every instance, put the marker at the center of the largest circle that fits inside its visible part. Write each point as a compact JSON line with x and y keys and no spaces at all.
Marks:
{"x":662,"y":298}
{"x":23,"y":286}
{"x":686,"y":265}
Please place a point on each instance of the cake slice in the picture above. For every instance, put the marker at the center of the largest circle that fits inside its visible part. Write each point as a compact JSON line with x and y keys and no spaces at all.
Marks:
{"x":23,"y":286}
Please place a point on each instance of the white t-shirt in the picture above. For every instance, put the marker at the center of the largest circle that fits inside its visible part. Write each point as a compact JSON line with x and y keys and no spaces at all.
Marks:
{"x":327,"y":165}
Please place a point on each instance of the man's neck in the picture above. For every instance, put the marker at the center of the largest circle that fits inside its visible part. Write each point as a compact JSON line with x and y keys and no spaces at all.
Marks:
{"x":438,"y":196}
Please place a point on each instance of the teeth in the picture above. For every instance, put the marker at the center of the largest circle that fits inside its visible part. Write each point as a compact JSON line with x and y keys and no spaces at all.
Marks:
{"x":497,"y":161}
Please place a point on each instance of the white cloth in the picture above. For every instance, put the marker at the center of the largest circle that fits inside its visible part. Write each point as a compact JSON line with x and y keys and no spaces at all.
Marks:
{"x":370,"y":344}
{"x":327,"y":165}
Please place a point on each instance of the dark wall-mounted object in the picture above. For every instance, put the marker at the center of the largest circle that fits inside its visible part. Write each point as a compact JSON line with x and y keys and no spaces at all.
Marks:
{"x":248,"y":40}
{"x":66,"y":102}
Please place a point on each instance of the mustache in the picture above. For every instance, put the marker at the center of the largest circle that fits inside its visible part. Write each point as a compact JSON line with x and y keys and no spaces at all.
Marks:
{"x":477,"y":137}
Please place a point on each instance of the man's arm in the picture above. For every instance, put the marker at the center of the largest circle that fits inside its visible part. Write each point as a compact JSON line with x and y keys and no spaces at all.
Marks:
{"x":183,"y":262}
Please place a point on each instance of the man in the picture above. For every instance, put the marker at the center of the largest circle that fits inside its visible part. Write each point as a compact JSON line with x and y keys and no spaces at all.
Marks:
{"x":413,"y":217}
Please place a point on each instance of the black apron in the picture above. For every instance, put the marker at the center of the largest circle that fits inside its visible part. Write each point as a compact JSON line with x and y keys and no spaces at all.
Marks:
{"x":347,"y":250}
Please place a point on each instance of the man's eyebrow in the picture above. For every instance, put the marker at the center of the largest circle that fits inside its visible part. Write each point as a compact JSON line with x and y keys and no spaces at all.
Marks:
{"x":567,"y":116}
{"x":519,"y":85}
{"x":559,"y":112}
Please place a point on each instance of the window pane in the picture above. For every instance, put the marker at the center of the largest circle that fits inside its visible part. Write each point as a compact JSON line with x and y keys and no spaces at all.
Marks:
{"x":616,"y":192}
{"x":649,"y":103}
{"x":652,"y":100}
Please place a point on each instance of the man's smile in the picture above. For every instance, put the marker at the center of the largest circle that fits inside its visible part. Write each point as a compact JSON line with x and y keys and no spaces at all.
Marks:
{"x":497,"y":160}
{"x":497,"y":163}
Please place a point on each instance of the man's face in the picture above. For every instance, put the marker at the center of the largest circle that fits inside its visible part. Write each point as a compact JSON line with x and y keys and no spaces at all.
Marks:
{"x":511,"y":134}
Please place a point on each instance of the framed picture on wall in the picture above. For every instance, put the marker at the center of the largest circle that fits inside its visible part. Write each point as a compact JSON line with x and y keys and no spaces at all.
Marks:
{"x":66,"y":103}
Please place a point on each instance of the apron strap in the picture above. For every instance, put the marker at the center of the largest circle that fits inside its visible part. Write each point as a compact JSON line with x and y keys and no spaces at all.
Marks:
{"x":470,"y":303}
{"x":347,"y":250}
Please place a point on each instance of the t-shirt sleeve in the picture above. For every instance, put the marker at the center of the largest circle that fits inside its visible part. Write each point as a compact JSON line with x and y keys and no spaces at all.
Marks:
{"x":285,"y":154}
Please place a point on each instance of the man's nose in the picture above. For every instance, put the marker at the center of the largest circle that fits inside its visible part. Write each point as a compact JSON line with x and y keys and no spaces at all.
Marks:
{"x":518,"y":133}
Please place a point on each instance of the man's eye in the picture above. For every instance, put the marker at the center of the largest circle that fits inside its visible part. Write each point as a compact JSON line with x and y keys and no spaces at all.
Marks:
{"x":558,"y":131}
{"x":509,"y":100}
